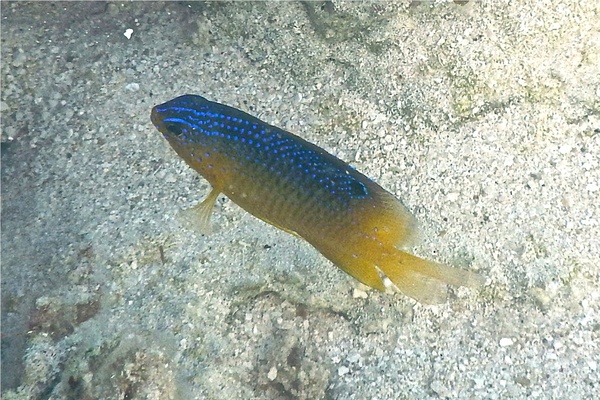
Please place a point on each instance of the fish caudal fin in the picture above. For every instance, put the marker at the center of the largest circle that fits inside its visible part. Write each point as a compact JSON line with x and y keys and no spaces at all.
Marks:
{"x":424,"y":281}
{"x":197,"y":218}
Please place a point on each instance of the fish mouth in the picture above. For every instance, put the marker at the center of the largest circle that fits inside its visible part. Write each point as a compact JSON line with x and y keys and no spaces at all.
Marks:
{"x":160,"y":119}
{"x":157,"y":117}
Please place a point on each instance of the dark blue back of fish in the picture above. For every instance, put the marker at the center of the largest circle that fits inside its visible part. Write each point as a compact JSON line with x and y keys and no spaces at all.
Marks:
{"x":264,"y":166}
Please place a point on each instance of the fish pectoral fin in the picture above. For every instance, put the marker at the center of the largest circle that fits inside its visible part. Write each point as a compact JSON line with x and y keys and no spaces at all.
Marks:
{"x":197,"y":218}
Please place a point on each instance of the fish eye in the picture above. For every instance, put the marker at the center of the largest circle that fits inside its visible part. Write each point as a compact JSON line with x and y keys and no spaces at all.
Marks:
{"x":175,"y":128}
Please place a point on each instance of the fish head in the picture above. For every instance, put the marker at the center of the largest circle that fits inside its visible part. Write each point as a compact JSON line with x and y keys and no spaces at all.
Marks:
{"x":181,"y":119}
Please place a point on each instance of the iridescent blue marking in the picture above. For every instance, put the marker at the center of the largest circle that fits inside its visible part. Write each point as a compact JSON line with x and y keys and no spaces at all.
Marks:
{"x":236,"y":132}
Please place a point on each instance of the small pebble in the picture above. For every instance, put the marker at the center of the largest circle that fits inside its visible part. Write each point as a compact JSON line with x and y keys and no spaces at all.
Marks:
{"x":133,"y":87}
{"x":272,"y":374}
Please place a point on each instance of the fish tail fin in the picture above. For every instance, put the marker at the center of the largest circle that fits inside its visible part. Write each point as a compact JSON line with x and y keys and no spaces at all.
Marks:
{"x":423,"y":280}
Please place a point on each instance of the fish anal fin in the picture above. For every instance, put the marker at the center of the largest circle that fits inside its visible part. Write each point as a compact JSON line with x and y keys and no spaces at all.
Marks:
{"x":360,"y":268}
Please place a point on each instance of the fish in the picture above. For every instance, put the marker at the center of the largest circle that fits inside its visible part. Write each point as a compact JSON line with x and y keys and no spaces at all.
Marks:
{"x":302,"y":189}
